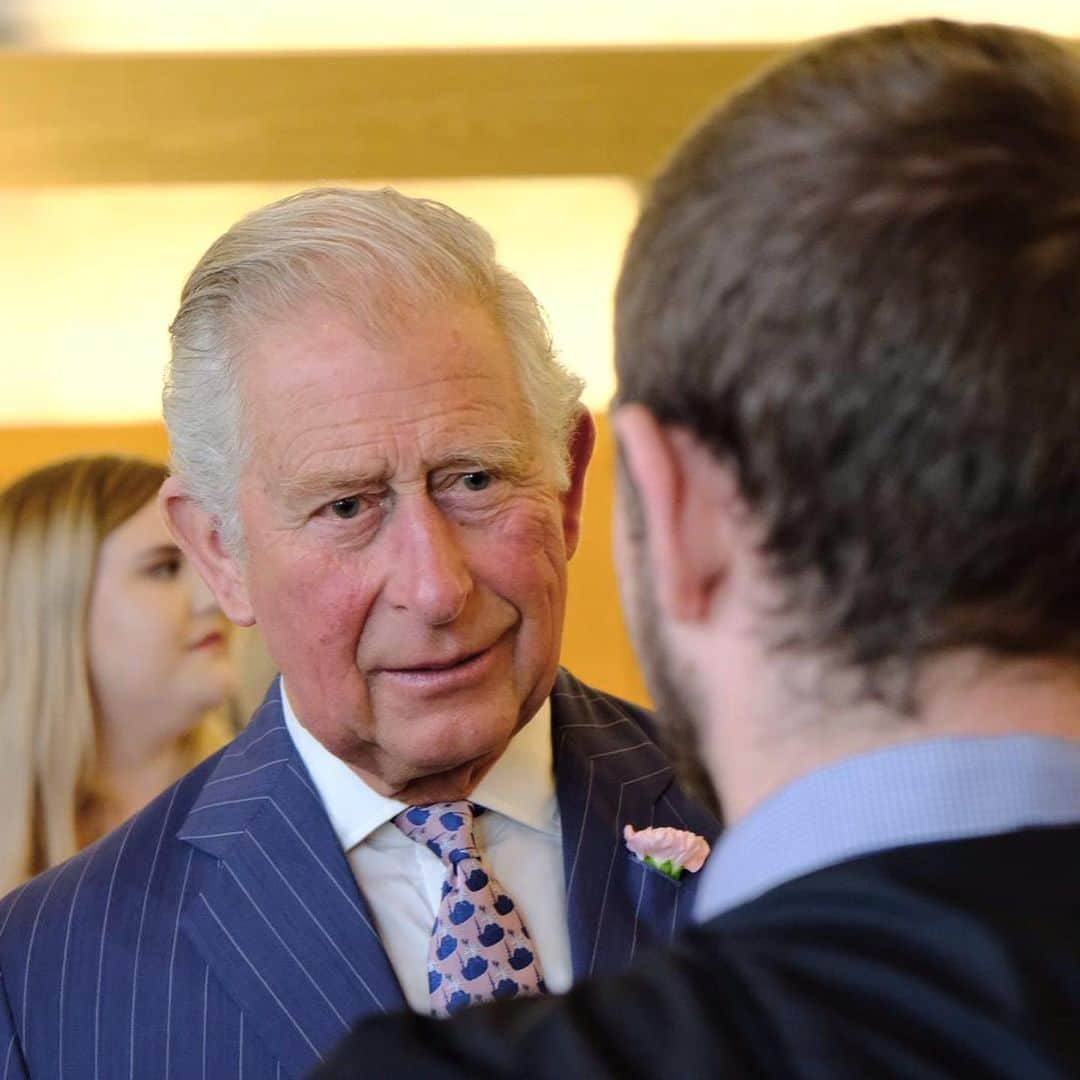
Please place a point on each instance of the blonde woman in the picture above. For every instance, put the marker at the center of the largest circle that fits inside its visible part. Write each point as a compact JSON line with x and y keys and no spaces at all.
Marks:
{"x":113,"y":658}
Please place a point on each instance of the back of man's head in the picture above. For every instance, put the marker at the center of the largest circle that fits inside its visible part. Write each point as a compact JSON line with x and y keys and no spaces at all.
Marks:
{"x":858,"y":283}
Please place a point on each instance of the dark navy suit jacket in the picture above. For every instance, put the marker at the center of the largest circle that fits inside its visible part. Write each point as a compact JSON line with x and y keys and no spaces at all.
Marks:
{"x":954,"y":960}
{"x":220,"y":932}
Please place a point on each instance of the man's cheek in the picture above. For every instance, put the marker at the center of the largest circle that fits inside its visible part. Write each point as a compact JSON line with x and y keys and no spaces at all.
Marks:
{"x":333,"y":592}
{"x":529,"y":570}
{"x":532,"y":530}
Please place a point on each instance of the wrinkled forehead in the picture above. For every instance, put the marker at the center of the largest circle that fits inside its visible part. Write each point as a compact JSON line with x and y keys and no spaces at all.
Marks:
{"x":382,"y":306}
{"x":318,"y":386}
{"x":393,"y":345}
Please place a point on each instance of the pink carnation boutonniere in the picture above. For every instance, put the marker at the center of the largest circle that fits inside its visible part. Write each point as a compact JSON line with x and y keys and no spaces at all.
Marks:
{"x":671,"y":851}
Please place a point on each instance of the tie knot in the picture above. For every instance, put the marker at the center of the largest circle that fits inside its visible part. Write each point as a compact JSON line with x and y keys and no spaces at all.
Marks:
{"x":444,"y":828}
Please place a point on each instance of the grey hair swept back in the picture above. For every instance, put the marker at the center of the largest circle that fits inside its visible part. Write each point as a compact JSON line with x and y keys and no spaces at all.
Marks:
{"x":379,"y":254}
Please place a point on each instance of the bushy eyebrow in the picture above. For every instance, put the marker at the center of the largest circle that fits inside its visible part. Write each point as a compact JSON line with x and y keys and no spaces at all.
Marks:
{"x":509,"y":457}
{"x":329,"y":484}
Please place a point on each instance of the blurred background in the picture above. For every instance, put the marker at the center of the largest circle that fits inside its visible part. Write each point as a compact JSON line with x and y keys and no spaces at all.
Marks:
{"x":133,"y":132}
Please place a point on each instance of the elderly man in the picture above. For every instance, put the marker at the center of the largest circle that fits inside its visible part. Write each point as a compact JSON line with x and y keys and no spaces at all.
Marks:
{"x":378,"y":460}
{"x":849,"y":370}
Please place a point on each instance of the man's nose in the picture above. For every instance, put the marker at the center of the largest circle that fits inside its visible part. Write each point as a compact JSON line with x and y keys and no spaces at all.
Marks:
{"x":429,"y":574}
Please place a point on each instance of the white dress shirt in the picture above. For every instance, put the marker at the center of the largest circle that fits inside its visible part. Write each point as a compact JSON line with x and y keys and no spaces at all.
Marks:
{"x":520,"y":838}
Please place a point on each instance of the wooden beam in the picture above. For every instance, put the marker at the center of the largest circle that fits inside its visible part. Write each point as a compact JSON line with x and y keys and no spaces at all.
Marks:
{"x":91,"y":119}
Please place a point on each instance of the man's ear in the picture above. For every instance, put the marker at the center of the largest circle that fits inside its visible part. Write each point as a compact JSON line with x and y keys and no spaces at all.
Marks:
{"x":199,"y":537}
{"x":687,"y":501}
{"x":582,"y":441}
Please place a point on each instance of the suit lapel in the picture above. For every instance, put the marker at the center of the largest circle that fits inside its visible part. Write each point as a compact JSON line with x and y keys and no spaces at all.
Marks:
{"x":276,"y":913}
{"x":610,"y":773}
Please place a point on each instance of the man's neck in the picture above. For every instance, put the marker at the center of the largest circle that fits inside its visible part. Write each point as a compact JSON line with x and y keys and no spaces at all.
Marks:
{"x":963,"y":695}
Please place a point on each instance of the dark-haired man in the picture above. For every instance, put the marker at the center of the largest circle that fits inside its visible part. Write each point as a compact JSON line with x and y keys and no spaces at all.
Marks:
{"x":849,"y":536}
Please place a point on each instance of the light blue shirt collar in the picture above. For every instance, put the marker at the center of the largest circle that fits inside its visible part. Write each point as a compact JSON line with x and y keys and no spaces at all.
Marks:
{"x":940,"y":789}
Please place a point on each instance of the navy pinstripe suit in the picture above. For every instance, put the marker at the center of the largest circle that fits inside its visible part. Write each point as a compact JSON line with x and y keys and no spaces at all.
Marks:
{"x":220,"y":932}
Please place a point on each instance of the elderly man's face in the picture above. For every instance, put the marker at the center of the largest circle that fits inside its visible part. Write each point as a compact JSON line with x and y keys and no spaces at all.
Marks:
{"x":406,"y":543}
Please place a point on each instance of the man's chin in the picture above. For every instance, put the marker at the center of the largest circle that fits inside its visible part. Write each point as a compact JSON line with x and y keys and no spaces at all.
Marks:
{"x":436,"y":762}
{"x":442,"y":783}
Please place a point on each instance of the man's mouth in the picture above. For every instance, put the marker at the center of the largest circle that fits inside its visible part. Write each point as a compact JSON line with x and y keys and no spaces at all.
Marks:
{"x":441,"y":674}
{"x":443,"y":665}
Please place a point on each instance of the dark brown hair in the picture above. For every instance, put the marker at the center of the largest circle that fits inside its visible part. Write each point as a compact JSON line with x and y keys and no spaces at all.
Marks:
{"x":858,"y":283}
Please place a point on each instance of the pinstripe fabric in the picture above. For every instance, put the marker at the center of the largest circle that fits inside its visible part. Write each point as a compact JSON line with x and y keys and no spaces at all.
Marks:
{"x":220,"y":932}
{"x":609,"y":773}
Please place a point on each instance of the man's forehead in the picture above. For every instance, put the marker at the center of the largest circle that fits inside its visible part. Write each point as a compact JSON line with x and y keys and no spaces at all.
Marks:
{"x":340,"y":426}
{"x":323,"y":343}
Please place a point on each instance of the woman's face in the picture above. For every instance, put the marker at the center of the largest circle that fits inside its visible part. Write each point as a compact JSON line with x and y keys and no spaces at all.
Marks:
{"x":157,"y":640}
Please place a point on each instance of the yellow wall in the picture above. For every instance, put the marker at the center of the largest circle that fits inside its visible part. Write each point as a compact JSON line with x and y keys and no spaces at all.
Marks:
{"x":595,"y":645}
{"x":24,"y":448}
{"x":99,"y":352}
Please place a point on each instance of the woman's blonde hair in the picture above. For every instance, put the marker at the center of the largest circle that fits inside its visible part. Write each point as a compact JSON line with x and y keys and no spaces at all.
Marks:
{"x":52,"y":524}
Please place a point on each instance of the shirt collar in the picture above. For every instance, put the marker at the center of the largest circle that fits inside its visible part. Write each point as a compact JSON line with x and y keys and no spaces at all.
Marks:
{"x":940,"y":789}
{"x":520,"y":785}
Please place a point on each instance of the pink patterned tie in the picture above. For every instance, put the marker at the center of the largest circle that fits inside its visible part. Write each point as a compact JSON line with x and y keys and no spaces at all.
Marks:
{"x":480,"y":949}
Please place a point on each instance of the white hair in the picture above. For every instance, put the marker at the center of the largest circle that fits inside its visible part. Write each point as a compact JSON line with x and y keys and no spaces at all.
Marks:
{"x":380,"y":255}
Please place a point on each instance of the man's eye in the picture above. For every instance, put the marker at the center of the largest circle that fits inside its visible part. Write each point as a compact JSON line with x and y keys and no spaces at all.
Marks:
{"x":345,"y":508}
{"x":476,"y":481}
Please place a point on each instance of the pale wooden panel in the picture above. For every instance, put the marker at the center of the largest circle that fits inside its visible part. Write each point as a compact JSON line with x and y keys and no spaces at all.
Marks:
{"x":87,"y":119}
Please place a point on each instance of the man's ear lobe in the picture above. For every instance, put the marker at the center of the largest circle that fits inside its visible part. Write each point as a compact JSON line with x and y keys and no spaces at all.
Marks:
{"x":199,"y":537}
{"x":582,"y":442}
{"x":684,"y":507}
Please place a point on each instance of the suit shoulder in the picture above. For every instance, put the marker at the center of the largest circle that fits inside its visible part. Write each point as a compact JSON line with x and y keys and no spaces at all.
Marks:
{"x":576,"y":702}
{"x":591,"y":725}
{"x":107,"y":874}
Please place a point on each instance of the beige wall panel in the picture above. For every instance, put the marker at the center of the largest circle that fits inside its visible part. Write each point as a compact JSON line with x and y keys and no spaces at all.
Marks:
{"x":173,"y":117}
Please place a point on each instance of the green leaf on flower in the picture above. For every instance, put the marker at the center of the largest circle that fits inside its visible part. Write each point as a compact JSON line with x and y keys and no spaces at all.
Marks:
{"x":666,"y":867}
